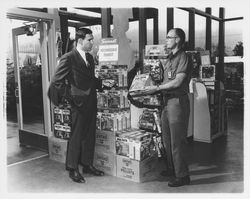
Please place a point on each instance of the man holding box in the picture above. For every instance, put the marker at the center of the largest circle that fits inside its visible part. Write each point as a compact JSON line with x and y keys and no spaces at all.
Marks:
{"x":175,"y":113}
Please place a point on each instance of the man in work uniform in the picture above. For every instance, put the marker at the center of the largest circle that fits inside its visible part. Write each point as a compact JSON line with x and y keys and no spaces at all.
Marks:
{"x":175,"y":113}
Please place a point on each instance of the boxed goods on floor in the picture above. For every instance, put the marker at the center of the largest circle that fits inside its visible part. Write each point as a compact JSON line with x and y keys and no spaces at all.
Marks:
{"x":105,"y":162}
{"x":57,"y":149}
{"x":105,"y":141}
{"x":137,"y":171}
{"x":135,"y":145}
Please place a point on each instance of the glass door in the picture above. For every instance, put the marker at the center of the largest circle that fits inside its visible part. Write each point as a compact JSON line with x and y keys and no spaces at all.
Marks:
{"x":30,"y":67}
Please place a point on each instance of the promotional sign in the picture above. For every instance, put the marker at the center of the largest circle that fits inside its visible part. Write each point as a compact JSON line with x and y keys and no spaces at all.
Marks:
{"x":155,"y":50}
{"x":108,"y":51}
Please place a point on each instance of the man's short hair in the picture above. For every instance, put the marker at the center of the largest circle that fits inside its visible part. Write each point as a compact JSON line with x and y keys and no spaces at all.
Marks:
{"x":81,"y":33}
{"x":181,"y":34}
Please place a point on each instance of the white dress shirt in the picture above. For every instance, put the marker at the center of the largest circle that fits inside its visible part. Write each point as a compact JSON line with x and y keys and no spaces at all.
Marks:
{"x":82,"y":53}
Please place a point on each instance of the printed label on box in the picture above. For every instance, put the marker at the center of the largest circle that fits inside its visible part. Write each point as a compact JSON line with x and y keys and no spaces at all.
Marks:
{"x":106,"y":162}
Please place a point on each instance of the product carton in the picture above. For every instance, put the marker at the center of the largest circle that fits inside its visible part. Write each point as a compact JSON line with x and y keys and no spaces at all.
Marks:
{"x":57,"y":149}
{"x":137,"y":171}
{"x":105,"y":141}
{"x":105,"y":162}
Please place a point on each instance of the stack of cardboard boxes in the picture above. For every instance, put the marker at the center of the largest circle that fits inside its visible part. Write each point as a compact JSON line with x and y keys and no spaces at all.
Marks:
{"x":113,"y":116}
{"x":62,"y":130}
{"x":120,"y":150}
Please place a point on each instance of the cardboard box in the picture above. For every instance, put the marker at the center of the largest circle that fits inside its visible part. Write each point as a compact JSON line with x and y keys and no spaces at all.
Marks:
{"x":138,"y":84}
{"x":142,"y":149}
{"x":137,"y":171}
{"x":57,"y":149}
{"x":135,"y":145}
{"x":122,"y":146}
{"x":105,"y":162}
{"x":105,"y":141}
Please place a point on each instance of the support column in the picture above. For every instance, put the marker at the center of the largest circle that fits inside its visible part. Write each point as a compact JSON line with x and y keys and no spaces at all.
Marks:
{"x":64,"y":32}
{"x":142,"y":35}
{"x":170,"y":19}
{"x":156,"y":27}
{"x":208,"y":30}
{"x":220,"y":68}
{"x":106,"y":20}
{"x":191,"y":30}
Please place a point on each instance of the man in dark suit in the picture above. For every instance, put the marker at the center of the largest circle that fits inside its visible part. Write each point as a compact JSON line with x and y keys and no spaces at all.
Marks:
{"x":77,"y":68}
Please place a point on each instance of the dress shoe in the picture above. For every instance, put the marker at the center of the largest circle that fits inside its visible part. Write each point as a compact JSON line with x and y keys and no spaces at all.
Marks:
{"x":75,"y":175}
{"x":168,"y":173}
{"x":177,"y":182}
{"x":92,"y":170}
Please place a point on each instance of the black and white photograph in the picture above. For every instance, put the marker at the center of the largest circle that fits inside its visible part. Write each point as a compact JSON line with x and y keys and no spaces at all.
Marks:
{"x":134,"y":99}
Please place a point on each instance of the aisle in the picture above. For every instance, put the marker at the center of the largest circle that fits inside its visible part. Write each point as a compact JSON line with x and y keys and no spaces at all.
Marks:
{"x":215,"y":168}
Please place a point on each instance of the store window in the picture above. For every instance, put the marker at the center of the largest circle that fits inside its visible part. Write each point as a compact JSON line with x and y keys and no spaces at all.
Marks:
{"x":200,"y":32}
{"x":133,"y":36}
{"x":215,"y":39}
{"x":233,"y":38}
{"x":162,"y":25}
{"x":181,"y":20}
{"x":150,"y":32}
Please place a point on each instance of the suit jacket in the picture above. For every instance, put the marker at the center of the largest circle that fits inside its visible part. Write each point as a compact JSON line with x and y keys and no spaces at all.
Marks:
{"x":75,"y":81}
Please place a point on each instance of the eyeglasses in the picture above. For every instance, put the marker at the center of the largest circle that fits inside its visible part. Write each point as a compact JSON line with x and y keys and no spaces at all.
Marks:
{"x":168,"y":37}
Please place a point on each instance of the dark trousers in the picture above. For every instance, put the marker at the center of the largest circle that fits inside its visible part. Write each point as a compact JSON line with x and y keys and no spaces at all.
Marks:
{"x":81,"y":145}
{"x":174,"y":118}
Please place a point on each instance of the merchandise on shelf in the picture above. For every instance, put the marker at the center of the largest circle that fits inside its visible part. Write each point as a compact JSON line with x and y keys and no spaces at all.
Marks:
{"x":113,"y":99}
{"x":149,"y":100}
{"x":196,"y":61}
{"x":110,"y":121}
{"x":205,"y":57}
{"x":119,"y":76}
{"x":117,"y":120}
{"x":62,"y":121}
{"x":155,"y":69}
{"x":150,"y":120}
{"x":158,"y":145}
{"x":207,"y":72}
{"x":62,"y":131}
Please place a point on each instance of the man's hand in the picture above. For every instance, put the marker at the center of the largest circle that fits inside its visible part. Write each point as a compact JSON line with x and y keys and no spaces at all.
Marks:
{"x":107,"y":84}
{"x":148,"y":90}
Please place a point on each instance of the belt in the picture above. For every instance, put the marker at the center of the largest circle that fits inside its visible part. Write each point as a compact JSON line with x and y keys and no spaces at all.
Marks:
{"x":172,"y":95}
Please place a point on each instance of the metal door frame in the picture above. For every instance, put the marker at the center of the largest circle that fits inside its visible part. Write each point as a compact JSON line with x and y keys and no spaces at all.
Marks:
{"x":48,"y":59}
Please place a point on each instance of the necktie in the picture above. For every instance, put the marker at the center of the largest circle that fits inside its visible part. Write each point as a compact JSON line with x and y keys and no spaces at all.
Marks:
{"x":170,"y":55}
{"x":88,"y":59}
